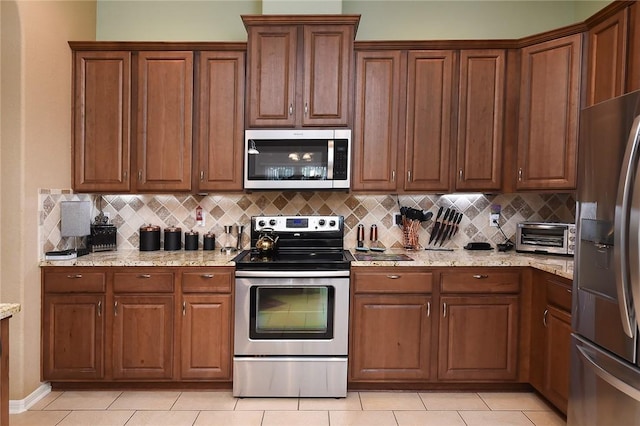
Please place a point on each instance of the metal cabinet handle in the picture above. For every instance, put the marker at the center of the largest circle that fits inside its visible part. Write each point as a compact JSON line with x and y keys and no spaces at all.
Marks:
{"x":290,"y":109}
{"x":480,"y":277}
{"x":115,"y":308}
{"x":409,"y":175}
{"x":306,"y":108}
{"x":460,"y":174}
{"x":428,"y":309}
{"x":207,"y":276}
{"x":544,"y":317}
{"x":520,"y":174}
{"x":145,"y":276}
{"x":444,"y":309}
{"x":393,"y":277}
{"x":140,"y":175}
{"x":184,"y":308}
{"x":125,"y":174}
{"x":393,"y":175}
{"x":74,"y":277}
{"x":201,"y":175}
{"x":99,"y":308}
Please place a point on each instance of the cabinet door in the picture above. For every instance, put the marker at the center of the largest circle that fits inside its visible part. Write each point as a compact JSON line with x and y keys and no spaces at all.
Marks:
{"x":164,"y":121}
{"x":607,"y":60}
{"x":327,"y":62}
{"x":549,"y":110}
{"x":143,"y":337}
{"x":478,"y":338}
{"x":272,"y":66}
{"x":480,"y":120}
{"x":557,"y":357}
{"x":206,"y":337}
{"x":375,"y":150}
{"x":101,"y":121}
{"x":633,"y":61}
{"x":428,"y":126}
{"x":73,"y":337}
{"x":220,"y":131}
{"x":391,"y":337}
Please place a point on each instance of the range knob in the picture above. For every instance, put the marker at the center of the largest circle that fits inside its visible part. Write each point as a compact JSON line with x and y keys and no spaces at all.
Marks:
{"x":272,"y":222}
{"x":321,"y":222}
{"x":261,"y":223}
{"x":332,"y":223}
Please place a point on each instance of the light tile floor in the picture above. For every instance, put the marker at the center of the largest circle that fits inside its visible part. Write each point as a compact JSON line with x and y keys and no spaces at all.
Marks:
{"x":201,"y":408}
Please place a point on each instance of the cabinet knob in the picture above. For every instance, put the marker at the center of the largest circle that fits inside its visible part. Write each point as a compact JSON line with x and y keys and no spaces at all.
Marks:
{"x":520,"y":174}
{"x":460,"y":174}
{"x":306,"y":108}
{"x":290,"y":109}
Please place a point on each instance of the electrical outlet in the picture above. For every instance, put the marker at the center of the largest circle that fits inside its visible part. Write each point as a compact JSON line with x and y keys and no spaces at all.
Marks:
{"x":398,"y":219}
{"x":493,"y":219}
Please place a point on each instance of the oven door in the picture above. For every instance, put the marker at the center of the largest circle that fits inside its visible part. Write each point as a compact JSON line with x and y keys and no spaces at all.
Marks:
{"x":289,"y":314}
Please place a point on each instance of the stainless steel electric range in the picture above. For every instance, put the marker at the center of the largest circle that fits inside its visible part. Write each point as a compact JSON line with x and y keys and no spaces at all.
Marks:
{"x":292,"y":310}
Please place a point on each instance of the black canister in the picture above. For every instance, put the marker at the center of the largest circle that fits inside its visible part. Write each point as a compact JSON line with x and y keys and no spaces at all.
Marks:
{"x":149,"y":238}
{"x":209,"y":241}
{"x":191,"y":240}
{"x":172,"y":238}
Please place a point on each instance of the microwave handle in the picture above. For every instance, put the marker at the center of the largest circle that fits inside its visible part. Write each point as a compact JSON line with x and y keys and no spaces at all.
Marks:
{"x":331,"y":146}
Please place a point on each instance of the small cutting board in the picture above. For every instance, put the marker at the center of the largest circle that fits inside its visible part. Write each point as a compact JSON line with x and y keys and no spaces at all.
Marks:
{"x":383,"y":257}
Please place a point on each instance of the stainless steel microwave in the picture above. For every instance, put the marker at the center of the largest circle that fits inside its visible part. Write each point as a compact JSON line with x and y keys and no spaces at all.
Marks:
{"x":297,"y":159}
{"x":546,"y":238}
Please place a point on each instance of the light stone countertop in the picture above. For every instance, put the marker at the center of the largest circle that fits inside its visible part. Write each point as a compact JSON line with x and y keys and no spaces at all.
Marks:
{"x":558,"y":265}
{"x":8,"y":309}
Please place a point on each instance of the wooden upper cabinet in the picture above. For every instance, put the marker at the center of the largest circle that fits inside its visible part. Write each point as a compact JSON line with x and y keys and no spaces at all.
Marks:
{"x":164,"y":121}
{"x":428,"y":123}
{"x":101,"y":121}
{"x":377,"y":117}
{"x":633,"y":60}
{"x":607,"y":58}
{"x":549,"y":111}
{"x":299,"y":69}
{"x":480,"y":120}
{"x":220,"y":133}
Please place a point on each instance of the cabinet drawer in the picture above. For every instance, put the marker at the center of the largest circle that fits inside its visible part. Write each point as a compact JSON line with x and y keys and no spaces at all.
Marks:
{"x":208,"y":281}
{"x":143,"y":282}
{"x":559,"y":294}
{"x":480,"y":282}
{"x":393,"y":282}
{"x":74,"y":282}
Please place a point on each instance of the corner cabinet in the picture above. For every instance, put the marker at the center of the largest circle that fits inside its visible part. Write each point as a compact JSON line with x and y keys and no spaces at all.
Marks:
{"x":299,"y":69}
{"x":551,"y":337}
{"x":549,"y":113}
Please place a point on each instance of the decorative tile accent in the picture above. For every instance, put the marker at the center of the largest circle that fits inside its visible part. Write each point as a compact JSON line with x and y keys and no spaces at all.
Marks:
{"x":130,"y":212}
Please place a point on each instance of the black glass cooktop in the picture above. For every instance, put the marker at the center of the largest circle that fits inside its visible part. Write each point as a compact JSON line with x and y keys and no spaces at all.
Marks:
{"x":315,"y":260}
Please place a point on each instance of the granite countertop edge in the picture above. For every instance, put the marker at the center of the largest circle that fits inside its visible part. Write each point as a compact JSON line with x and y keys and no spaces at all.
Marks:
{"x":8,"y":309}
{"x":558,"y":265}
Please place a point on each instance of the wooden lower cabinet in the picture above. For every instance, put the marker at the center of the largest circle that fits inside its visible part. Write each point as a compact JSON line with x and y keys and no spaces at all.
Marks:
{"x":477,"y":338}
{"x":143,"y":337}
{"x":551,"y":337}
{"x":393,"y":337}
{"x":130,"y":324}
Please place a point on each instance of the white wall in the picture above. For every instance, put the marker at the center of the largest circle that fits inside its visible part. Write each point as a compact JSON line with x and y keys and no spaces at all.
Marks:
{"x":219,"y":20}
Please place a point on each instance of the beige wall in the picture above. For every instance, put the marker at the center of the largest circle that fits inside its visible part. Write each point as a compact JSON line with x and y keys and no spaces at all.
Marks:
{"x":34,"y":153}
{"x":381,"y":20}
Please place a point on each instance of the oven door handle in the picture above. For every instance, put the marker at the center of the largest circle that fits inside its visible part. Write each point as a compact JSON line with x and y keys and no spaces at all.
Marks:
{"x":292,"y":274}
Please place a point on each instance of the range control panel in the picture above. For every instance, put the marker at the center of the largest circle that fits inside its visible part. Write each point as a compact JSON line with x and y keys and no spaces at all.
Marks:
{"x":298,"y":223}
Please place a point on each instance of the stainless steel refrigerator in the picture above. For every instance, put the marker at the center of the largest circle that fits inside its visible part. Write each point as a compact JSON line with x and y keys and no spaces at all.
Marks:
{"x":605,"y":369}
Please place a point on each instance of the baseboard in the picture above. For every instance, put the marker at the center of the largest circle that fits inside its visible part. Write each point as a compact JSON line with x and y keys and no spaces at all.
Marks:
{"x":22,"y":405}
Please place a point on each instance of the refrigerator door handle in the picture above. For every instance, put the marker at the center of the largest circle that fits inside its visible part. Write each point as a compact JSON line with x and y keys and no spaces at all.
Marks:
{"x":614,"y":381}
{"x":622,"y":246}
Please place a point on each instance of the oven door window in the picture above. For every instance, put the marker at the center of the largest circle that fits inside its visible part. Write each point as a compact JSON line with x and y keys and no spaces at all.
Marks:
{"x":292,"y":312}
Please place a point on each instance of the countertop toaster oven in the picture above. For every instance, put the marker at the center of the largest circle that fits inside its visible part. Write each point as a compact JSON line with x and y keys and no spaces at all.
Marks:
{"x":546,"y":238}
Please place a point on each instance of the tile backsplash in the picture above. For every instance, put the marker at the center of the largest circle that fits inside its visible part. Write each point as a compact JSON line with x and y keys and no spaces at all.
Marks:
{"x":129,"y":212}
